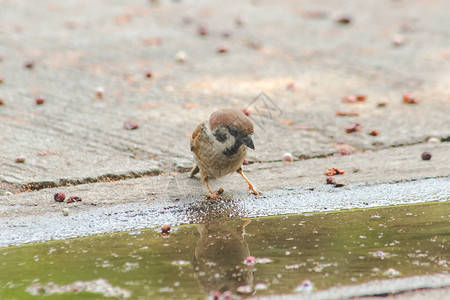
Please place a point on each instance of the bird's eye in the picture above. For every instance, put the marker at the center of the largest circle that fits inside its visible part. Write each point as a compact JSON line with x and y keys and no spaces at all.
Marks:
{"x":220,"y":136}
{"x":233,"y":131}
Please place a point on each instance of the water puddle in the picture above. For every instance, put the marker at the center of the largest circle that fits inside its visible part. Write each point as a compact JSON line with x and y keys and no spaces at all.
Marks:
{"x":262,"y":256}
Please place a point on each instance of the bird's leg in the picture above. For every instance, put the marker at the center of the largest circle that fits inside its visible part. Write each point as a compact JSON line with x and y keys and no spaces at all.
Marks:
{"x":211,"y":195}
{"x":251,"y":188}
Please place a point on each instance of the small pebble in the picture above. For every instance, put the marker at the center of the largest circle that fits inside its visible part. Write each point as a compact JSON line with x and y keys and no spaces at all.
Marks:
{"x":65,"y":212}
{"x":426,"y":155}
{"x":40,"y":101}
{"x":287,"y":157}
{"x":434,"y":140}
{"x":181,"y":56}
{"x":20,"y":159}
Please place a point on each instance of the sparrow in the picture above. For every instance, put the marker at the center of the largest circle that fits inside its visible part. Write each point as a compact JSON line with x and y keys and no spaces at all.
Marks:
{"x":220,"y":146}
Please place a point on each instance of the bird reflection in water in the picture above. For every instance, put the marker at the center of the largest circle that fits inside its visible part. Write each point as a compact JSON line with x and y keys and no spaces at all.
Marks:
{"x":219,"y":259}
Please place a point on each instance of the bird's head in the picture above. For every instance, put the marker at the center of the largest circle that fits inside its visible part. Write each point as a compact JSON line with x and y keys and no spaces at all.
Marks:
{"x":231,"y":128}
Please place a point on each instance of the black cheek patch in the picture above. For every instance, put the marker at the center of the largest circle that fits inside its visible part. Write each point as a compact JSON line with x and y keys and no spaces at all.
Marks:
{"x":221,"y":137}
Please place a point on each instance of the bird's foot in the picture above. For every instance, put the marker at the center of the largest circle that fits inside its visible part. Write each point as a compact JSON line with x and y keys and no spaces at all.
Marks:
{"x":216,"y":195}
{"x":253,"y":191}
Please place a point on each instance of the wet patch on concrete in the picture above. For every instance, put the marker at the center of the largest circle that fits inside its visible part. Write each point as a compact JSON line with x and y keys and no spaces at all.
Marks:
{"x":195,"y":209}
{"x":256,"y":256}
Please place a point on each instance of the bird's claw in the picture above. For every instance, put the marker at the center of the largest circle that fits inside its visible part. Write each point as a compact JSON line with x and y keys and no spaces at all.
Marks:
{"x":216,"y":195}
{"x":254,"y":192}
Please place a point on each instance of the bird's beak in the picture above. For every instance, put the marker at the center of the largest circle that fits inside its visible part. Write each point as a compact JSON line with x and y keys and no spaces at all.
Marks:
{"x":247,"y":140}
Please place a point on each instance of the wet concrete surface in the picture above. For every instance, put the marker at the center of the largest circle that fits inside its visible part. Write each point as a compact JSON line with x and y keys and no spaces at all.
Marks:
{"x":308,"y":254}
{"x":88,"y":220}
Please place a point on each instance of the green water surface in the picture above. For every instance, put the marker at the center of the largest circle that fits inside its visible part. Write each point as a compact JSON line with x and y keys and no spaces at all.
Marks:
{"x":329,"y":249}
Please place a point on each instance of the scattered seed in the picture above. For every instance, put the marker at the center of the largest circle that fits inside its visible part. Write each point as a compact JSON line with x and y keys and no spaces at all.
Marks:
{"x":344,"y":149}
{"x":382,"y":103}
{"x":240,"y":20}
{"x":398,"y":40}
{"x":2,"y":102}
{"x":148,"y":74}
{"x":20,"y":159}
{"x":374,"y":133}
{"x":292,"y":87}
{"x":287,"y":157}
{"x":59,"y":197}
{"x":222,"y":49}
{"x":426,"y":155}
{"x":99,"y":92}
{"x":181,"y":56}
{"x":344,"y":19}
{"x":40,"y":101}
{"x":130,"y":125}
{"x":220,"y":191}
{"x":226,"y":34}
{"x":353,"y":128}
{"x":65,"y":212}
{"x":1,"y":79}
{"x":29,"y":65}
{"x":189,"y":105}
{"x":408,"y":98}
{"x":334,"y":171}
{"x":347,"y":113}
{"x":202,"y":30}
{"x":74,"y":199}
{"x":331,"y":180}
{"x":166,"y":228}
{"x":361,"y":98}
{"x":349,"y":99}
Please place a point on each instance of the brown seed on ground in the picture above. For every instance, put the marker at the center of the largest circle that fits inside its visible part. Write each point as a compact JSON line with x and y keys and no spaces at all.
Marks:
{"x":352,"y":128}
{"x":344,"y":19}
{"x":148,"y":74}
{"x":334,"y":171}
{"x":130,"y":125}
{"x":408,"y":98}
{"x":202,"y":30}
{"x":374,"y":133}
{"x":222,"y":49}
{"x":382,"y":103}
{"x":73,"y":199}
{"x":2,"y":102}
{"x":1,"y":79}
{"x":59,"y":197}
{"x":426,"y":155}
{"x":40,"y":101}
{"x":331,"y":180}
{"x":29,"y":65}
{"x":292,"y":87}
{"x":20,"y":159}
{"x":347,"y":114}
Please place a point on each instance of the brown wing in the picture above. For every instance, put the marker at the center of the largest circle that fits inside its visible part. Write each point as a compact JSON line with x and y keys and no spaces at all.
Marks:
{"x":195,"y":134}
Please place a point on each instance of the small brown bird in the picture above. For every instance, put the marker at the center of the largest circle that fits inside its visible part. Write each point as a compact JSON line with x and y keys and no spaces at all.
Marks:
{"x":220,"y":146}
